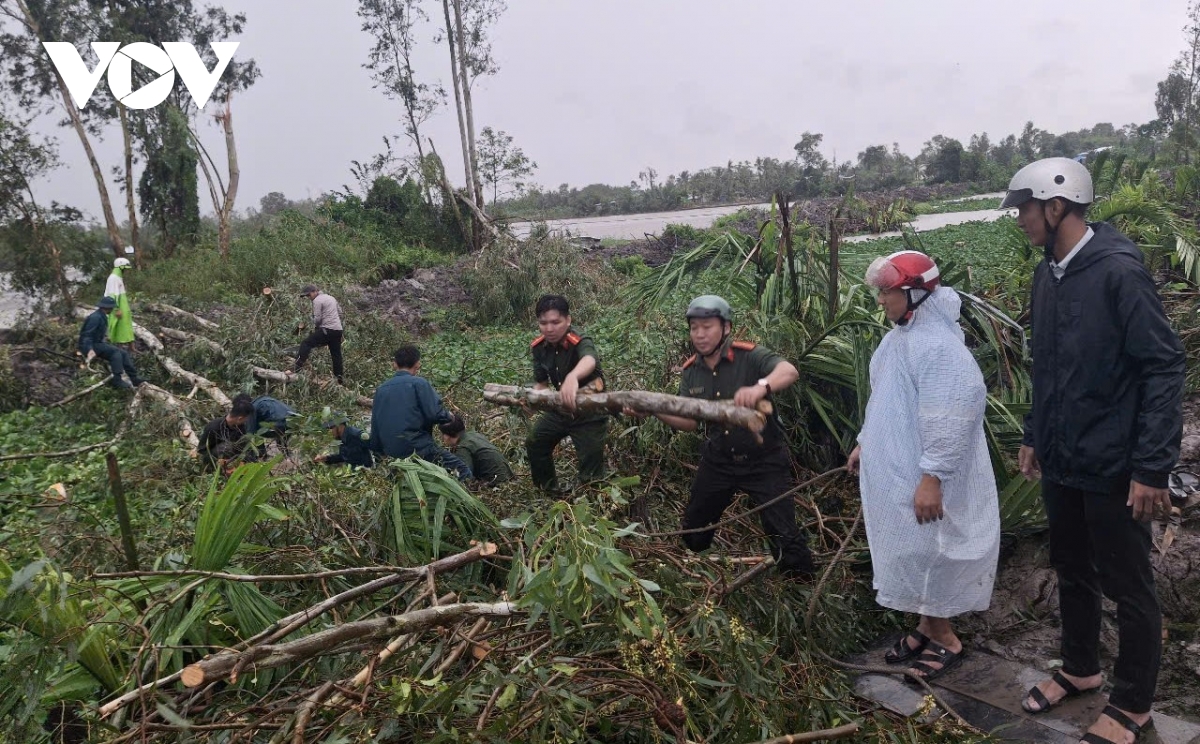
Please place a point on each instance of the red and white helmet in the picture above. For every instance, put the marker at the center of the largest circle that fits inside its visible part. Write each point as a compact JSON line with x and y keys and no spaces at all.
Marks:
{"x":903,"y":270}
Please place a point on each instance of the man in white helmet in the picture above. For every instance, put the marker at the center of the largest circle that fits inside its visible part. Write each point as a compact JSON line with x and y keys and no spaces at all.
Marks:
{"x":1103,"y":435}
{"x":120,"y":323}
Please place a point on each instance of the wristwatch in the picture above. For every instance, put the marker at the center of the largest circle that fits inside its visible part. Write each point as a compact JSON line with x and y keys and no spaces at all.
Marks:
{"x":763,"y":383}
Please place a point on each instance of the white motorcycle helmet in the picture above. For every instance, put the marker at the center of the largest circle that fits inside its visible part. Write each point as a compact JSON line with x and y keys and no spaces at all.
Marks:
{"x":1047,"y":179}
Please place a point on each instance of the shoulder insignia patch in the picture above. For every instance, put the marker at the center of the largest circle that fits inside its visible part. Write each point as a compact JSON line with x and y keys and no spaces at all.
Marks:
{"x":744,"y":345}
{"x":537,"y":341}
{"x":571,"y":339}
{"x":690,"y":361}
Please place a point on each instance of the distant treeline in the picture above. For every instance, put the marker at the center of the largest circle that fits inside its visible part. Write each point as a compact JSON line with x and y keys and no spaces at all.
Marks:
{"x":986,"y":164}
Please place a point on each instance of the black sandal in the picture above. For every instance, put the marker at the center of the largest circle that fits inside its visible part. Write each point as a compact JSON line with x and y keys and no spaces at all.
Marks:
{"x":1125,"y":721}
{"x":1044,"y":703}
{"x":936,"y":652}
{"x":902,"y":651}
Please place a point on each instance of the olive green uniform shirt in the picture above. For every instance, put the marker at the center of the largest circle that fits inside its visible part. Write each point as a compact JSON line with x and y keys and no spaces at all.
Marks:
{"x":742,"y":364}
{"x":553,"y":362}
{"x":484,"y":459}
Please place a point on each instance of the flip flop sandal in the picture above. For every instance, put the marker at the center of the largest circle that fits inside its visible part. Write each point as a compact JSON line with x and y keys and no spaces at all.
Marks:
{"x":1044,"y":703}
{"x":1124,"y":720}
{"x":902,"y":651}
{"x":936,"y":652}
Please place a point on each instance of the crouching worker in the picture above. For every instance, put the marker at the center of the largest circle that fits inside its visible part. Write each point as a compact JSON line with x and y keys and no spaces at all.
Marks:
{"x":354,"y":448}
{"x":928,"y":493}
{"x":270,"y":421}
{"x":480,"y":455}
{"x":224,"y":439}
{"x":93,"y":342}
{"x":732,"y":460}
{"x":405,"y":410}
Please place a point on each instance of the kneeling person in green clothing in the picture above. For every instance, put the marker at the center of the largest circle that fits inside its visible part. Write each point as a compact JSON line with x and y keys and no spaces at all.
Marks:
{"x":355,"y":446}
{"x":486,"y":462}
{"x":565,"y":358}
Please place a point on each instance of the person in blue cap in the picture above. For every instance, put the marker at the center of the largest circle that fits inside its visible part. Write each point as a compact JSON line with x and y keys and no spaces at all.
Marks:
{"x":93,"y":342}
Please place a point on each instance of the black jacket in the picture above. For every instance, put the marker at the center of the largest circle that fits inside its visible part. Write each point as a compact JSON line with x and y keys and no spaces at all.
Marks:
{"x":1108,"y":370}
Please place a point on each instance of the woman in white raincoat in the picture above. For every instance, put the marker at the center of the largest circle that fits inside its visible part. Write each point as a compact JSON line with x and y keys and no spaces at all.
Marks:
{"x":928,"y":493}
{"x":120,"y":321}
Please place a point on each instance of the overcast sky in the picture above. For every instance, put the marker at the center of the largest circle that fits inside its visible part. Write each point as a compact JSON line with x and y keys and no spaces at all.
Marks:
{"x":597,"y":91}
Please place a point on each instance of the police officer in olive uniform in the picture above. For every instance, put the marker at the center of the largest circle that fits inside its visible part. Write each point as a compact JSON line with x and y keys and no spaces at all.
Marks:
{"x":732,"y":460}
{"x":566,"y":359}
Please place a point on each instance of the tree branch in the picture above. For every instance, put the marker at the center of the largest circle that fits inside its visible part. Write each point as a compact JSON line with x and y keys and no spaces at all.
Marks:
{"x":331,"y":640}
{"x":160,"y":307}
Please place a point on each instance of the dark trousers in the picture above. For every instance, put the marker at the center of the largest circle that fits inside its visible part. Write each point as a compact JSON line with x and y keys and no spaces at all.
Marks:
{"x":588,"y":435}
{"x":322,"y":337}
{"x":1096,"y":547}
{"x":763,"y":478}
{"x":120,"y":361}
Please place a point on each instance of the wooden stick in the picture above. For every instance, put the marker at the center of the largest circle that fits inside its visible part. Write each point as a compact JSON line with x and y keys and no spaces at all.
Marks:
{"x":841,"y":732}
{"x":81,"y":393}
{"x":249,"y":578}
{"x":186,"y":337}
{"x":329,"y":641}
{"x":699,"y":409}
{"x":160,"y":307}
{"x":64,"y":453}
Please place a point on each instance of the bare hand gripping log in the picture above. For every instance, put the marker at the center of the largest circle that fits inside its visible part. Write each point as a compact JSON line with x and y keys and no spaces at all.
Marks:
{"x":720,"y":412}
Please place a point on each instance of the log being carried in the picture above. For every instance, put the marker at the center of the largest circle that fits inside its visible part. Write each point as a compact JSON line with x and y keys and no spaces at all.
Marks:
{"x":699,"y":409}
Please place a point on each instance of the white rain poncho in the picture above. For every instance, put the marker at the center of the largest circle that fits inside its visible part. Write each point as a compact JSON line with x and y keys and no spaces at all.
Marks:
{"x":925,"y":415}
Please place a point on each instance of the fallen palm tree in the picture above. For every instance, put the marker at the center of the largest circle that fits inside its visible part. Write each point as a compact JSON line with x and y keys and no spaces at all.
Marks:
{"x":719,"y":412}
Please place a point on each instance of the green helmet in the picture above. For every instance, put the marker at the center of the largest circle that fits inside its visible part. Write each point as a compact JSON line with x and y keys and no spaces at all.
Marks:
{"x":710,"y":306}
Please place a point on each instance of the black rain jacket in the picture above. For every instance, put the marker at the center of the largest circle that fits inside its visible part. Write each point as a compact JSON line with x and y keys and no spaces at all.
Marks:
{"x":1108,"y":370}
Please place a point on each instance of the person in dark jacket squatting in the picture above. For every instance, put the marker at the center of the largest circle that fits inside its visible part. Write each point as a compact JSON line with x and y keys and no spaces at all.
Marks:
{"x":93,"y":342}
{"x":1103,"y":435}
{"x":486,"y":462}
{"x":564,"y":358}
{"x":224,"y":439}
{"x":731,"y":460}
{"x":355,"y":446}
{"x":405,"y":410}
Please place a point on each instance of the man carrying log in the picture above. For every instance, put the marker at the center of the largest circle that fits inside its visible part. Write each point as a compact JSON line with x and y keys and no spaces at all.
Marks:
{"x":566,"y":359}
{"x":733,"y":459}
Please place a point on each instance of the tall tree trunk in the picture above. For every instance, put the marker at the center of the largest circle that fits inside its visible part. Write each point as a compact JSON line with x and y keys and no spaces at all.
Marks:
{"x":404,"y":64}
{"x":110,"y":220}
{"x":458,"y":106}
{"x":129,"y":202}
{"x":223,"y":218}
{"x":476,"y":186}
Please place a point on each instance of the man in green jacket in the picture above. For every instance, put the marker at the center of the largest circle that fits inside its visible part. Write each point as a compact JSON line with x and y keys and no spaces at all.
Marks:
{"x":566,"y":359}
{"x":486,"y":462}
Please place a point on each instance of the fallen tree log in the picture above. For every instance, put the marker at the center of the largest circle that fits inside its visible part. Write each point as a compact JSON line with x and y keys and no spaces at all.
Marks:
{"x":160,"y":307}
{"x":186,"y":337}
{"x":331,"y":640}
{"x":81,"y":393}
{"x":187,"y":432}
{"x":720,"y":412}
{"x":841,"y":732}
{"x":172,"y":366}
{"x":274,"y":375}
